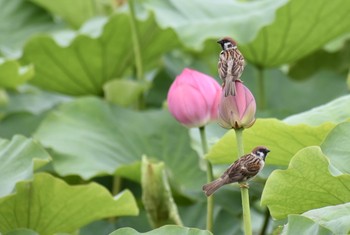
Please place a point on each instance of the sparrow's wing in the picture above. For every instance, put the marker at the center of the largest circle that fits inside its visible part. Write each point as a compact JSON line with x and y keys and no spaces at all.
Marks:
{"x":251,"y":165}
{"x":236,"y":172}
{"x":236,"y":64}
{"x":222,"y":65}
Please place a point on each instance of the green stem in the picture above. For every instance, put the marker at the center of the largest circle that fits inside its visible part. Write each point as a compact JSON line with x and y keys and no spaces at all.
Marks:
{"x":246,"y":211}
{"x":137,"y":51}
{"x":136,"y":43}
{"x":117,"y":180}
{"x":266,"y":222}
{"x":239,"y":139}
{"x":244,"y":189}
{"x":261,"y":89}
{"x":210,"y":177}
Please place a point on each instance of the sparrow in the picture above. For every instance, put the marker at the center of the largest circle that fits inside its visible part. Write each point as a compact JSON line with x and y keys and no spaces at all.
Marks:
{"x":241,"y":171}
{"x":230,"y":66}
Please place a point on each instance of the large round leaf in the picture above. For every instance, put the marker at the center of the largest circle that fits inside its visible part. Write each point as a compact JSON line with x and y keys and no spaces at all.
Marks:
{"x":31,"y":100}
{"x":19,"y":157}
{"x":99,"y":53}
{"x":282,"y":139}
{"x":74,"y":12}
{"x":198,"y":20}
{"x":335,"y":111}
{"x":168,"y":229}
{"x":89,"y":137}
{"x":21,"y":19}
{"x":306,"y":184}
{"x":336,"y":147}
{"x":321,"y":60}
{"x":335,"y":218}
{"x":22,"y":231}
{"x":298,"y":224}
{"x":300,"y":28}
{"x":48,"y":205}
{"x":13,"y":75}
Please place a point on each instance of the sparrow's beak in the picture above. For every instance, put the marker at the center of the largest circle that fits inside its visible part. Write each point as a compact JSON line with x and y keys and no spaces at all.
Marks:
{"x":219,"y":41}
{"x":268,"y":150}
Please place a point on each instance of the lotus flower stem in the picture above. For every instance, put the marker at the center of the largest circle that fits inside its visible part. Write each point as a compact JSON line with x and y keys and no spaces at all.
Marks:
{"x":117,"y":181}
{"x":137,"y":51}
{"x":261,"y":89}
{"x":136,"y":42}
{"x":266,"y":222}
{"x":239,"y":139}
{"x":244,"y":190}
{"x":210,"y":177}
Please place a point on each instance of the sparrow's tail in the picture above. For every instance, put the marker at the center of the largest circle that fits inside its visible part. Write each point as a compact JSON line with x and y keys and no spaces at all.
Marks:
{"x":210,"y":188}
{"x":230,"y":88}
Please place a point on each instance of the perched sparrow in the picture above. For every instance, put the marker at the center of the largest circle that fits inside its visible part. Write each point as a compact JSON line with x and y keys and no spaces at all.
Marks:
{"x":231,"y":65}
{"x":242,"y":170}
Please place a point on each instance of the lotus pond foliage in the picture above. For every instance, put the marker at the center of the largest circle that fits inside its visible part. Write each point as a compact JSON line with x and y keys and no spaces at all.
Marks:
{"x":90,"y":141}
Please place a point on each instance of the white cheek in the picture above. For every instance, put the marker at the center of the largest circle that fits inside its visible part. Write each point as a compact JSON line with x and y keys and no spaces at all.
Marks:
{"x":228,"y":45}
{"x":260,"y":154}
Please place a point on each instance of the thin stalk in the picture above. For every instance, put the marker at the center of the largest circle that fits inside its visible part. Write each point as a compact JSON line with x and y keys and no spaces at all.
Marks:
{"x":117,"y":181}
{"x":261,"y":89}
{"x":266,"y":222}
{"x":137,"y":51}
{"x":136,"y":43}
{"x":246,"y":211}
{"x":210,"y":177}
{"x":244,"y":188}
{"x":239,"y":139}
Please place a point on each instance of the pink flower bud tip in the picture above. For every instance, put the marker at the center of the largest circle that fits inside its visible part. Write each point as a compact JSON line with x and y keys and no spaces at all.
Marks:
{"x":237,"y":111}
{"x":193,"y":98}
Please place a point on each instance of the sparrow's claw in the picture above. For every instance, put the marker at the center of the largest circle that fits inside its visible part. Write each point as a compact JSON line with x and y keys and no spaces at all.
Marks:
{"x":244,"y":185}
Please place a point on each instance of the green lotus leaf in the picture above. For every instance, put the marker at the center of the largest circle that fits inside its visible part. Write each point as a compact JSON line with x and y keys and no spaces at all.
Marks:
{"x":22,"y":232}
{"x":335,"y":111}
{"x":336,"y":147}
{"x":81,"y":63}
{"x":76,"y":12}
{"x":90,"y":137}
{"x":168,"y":229}
{"x":325,"y":220}
{"x":282,"y":139}
{"x":19,"y":157}
{"x":334,"y":218}
{"x":29,"y":99}
{"x":13,"y":75}
{"x":197,"y":21}
{"x":48,"y":205}
{"x":123,"y":92}
{"x":300,"y":28}
{"x":19,"y":21}
{"x":298,"y":224}
{"x":321,"y":60}
{"x":306,"y":184}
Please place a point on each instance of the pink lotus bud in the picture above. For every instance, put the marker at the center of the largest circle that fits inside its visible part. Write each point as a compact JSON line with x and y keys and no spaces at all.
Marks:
{"x":237,"y":111}
{"x":193,"y":98}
